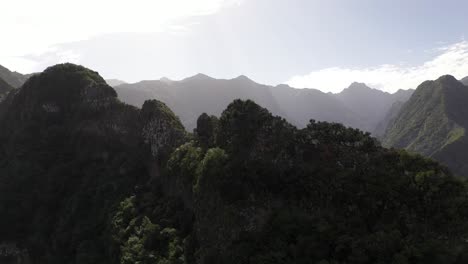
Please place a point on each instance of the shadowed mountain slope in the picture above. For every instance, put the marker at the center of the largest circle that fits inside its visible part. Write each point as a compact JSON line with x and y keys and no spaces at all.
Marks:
{"x":433,"y":123}
{"x":14,"y":79}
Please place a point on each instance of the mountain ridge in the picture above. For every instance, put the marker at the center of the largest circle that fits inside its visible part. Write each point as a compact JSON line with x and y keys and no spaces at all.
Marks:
{"x":434,"y":118}
{"x":13,"y":78}
{"x":296,"y":105}
{"x":4,"y":89}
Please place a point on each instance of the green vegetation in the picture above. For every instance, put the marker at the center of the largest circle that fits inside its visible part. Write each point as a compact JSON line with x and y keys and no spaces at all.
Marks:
{"x":266,"y":192}
{"x":85,"y":178}
{"x":433,"y":123}
{"x":69,"y":153}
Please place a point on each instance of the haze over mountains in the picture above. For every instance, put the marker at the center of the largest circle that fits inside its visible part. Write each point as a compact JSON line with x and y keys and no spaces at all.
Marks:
{"x":356,"y":106}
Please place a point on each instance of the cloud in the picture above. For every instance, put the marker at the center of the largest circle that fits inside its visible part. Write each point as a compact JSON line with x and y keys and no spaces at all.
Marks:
{"x":450,"y":59}
{"x":32,"y":28}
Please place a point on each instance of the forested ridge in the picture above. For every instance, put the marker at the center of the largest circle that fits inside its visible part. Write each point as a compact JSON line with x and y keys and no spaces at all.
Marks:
{"x":85,"y":178}
{"x":433,"y":123}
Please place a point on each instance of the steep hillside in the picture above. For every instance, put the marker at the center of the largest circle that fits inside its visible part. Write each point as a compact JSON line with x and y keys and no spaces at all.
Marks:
{"x":4,"y":89}
{"x":69,"y":153}
{"x":370,"y":105}
{"x":14,"y":79}
{"x":302,"y":105}
{"x":464,"y":81}
{"x":392,"y":113}
{"x":433,"y":123}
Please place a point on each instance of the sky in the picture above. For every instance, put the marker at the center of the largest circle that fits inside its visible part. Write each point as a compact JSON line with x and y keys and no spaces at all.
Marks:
{"x":322,"y":44}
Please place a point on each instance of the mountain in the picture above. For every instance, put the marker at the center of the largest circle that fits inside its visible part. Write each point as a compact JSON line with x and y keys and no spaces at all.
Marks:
{"x":191,"y":97}
{"x":85,"y":178}
{"x":4,"y":89}
{"x":392,"y":113}
{"x":370,"y":105}
{"x":302,"y":105}
{"x":464,"y":81}
{"x":69,"y":153}
{"x":114,"y":82}
{"x":433,"y":123}
{"x":14,"y":79}
{"x":202,"y":94}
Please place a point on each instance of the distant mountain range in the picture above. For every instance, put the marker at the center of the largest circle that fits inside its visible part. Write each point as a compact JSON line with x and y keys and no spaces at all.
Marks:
{"x":357,"y":106}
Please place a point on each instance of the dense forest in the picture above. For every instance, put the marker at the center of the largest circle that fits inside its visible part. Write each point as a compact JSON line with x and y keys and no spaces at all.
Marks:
{"x":85,"y":178}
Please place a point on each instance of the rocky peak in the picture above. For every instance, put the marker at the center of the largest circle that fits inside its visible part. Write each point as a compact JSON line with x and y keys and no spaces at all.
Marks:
{"x":198,"y":77}
{"x":358,"y":88}
{"x":358,"y":85}
{"x":166,"y":80}
{"x":243,"y":78}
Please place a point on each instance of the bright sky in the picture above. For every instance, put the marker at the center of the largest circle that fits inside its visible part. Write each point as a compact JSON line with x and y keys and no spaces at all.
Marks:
{"x":323,"y":44}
